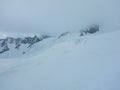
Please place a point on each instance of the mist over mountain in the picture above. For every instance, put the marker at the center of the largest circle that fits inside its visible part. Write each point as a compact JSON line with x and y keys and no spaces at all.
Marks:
{"x":57,"y":16}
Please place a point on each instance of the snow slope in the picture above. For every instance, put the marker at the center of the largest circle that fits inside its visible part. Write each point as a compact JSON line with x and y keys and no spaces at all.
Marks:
{"x":87,"y":63}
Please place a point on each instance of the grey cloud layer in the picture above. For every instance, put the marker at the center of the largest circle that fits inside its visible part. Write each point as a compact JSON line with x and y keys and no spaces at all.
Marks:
{"x":55,"y":16}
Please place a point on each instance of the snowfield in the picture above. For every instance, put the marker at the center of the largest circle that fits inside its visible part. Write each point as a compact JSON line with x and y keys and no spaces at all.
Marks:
{"x":72,"y":63}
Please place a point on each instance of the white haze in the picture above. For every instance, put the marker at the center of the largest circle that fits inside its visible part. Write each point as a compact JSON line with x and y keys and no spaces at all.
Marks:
{"x":56,"y":16}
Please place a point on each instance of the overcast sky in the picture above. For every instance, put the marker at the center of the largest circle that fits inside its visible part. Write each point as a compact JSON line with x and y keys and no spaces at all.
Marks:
{"x":56,"y":16}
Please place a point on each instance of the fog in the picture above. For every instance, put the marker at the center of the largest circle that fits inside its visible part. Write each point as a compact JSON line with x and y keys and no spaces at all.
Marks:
{"x":57,"y":16}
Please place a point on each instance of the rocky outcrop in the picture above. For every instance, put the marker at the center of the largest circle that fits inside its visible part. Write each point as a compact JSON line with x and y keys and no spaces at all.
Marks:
{"x":91,"y":30}
{"x":17,"y":42}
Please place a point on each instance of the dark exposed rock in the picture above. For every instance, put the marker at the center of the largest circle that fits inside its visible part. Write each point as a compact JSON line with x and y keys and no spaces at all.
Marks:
{"x":91,"y":30}
{"x":4,"y":49}
{"x":17,"y":42}
{"x":63,"y":34}
{"x":4,"y":42}
{"x":23,"y":52}
{"x":10,"y":40}
{"x":45,"y":36}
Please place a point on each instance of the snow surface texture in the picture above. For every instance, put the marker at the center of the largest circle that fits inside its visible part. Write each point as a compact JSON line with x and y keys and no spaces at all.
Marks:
{"x":73,"y":63}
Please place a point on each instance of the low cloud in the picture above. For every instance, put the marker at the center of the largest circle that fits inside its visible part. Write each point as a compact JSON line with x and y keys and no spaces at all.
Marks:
{"x":56,"y":16}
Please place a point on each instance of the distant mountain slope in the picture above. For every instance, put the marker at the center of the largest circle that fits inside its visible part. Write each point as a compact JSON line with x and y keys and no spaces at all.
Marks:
{"x":10,"y":46}
{"x":79,"y":63}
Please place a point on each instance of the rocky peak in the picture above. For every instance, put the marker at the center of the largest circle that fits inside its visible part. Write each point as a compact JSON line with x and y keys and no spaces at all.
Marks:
{"x":17,"y":42}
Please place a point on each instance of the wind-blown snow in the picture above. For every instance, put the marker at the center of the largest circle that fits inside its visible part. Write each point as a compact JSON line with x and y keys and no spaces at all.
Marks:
{"x":88,"y":63}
